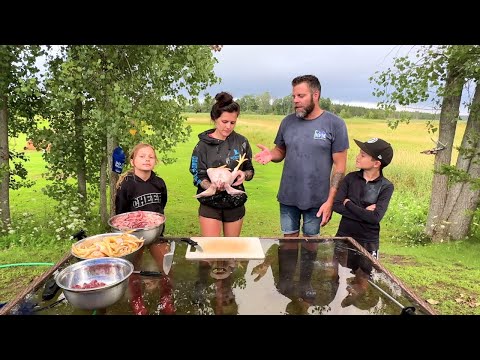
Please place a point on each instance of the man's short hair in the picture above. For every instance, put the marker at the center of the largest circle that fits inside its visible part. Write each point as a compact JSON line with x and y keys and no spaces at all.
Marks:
{"x":311,"y":80}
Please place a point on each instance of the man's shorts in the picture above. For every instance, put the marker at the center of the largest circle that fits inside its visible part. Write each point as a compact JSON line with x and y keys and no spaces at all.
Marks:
{"x":290,"y":220}
{"x":224,"y":215}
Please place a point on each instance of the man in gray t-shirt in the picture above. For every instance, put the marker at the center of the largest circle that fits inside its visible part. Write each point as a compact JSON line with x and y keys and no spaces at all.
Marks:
{"x":311,"y":141}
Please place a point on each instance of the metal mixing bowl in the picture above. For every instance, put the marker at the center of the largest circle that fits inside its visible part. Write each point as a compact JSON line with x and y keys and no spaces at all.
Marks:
{"x":149,"y":234}
{"x":114,"y":272}
{"x":130,"y":257}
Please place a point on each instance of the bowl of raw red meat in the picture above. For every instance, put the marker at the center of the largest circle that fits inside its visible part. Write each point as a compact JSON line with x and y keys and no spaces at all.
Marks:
{"x":95,"y":283}
{"x":148,"y":225}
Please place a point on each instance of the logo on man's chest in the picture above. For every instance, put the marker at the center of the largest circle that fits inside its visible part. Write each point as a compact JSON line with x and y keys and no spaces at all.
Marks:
{"x":320,"y":135}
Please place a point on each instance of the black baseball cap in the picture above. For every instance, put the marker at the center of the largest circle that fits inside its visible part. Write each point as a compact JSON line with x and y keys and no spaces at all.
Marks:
{"x":378,"y":149}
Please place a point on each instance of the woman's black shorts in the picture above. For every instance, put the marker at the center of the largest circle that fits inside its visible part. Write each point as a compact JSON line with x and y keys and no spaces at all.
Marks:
{"x":224,"y":215}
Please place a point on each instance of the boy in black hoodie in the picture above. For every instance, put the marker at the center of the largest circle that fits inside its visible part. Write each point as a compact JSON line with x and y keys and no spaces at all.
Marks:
{"x":362,"y":200}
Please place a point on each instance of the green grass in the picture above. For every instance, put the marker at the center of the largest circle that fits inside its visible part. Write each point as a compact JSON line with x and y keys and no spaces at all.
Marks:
{"x":446,"y":273}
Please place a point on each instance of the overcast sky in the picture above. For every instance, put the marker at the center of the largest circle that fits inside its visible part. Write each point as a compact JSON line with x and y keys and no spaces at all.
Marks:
{"x":343,"y":70}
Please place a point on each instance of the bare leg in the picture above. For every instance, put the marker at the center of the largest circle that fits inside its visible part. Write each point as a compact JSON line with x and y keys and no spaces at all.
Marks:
{"x":232,"y":228}
{"x":210,"y":227}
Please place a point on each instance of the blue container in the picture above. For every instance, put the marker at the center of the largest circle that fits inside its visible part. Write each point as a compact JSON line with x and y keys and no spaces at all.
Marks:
{"x":118,"y":160}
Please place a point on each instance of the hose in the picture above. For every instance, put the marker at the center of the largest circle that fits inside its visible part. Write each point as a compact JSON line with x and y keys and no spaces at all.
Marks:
{"x":27,"y":264}
{"x":24,"y":264}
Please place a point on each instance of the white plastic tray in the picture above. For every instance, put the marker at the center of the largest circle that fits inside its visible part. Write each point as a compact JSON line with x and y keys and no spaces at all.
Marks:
{"x":226,"y":248}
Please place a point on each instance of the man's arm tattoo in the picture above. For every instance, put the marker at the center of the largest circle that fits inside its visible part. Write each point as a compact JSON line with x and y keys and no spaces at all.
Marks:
{"x":336,"y":180}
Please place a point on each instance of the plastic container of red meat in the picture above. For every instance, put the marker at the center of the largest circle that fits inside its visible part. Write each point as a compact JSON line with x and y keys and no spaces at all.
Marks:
{"x":148,"y":225}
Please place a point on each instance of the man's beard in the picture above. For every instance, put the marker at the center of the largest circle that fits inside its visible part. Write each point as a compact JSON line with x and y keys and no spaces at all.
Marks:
{"x":306,"y":110}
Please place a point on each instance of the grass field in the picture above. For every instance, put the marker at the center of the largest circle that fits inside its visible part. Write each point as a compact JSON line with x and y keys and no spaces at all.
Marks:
{"x":446,"y":273}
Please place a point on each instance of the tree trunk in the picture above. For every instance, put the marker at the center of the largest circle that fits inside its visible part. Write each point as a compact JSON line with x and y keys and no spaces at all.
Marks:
{"x":462,"y":215}
{"x":4,"y":166}
{"x":103,"y":190}
{"x":462,"y":199}
{"x":112,"y":143}
{"x":80,"y":149}
{"x":447,"y":126}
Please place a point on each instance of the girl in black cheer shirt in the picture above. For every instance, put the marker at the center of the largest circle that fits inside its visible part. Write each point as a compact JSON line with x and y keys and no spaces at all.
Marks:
{"x":141,"y":189}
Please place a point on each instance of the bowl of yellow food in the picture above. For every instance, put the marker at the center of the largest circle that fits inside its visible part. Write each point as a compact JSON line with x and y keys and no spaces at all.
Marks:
{"x":120,"y":245}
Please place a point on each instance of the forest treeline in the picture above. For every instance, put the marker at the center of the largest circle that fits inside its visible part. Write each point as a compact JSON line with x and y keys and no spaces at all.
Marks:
{"x":265,"y":104}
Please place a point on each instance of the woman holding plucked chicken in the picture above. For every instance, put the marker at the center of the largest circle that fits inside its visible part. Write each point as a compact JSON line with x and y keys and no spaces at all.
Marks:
{"x":221,"y":162}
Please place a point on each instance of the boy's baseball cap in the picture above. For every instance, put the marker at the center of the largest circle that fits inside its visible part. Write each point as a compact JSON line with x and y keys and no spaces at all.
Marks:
{"x":378,"y":149}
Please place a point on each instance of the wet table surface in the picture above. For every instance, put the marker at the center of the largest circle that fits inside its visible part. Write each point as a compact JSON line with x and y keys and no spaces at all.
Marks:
{"x":322,"y":276}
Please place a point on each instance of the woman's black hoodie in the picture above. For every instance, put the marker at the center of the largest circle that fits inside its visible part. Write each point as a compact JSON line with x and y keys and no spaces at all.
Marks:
{"x":210,"y":152}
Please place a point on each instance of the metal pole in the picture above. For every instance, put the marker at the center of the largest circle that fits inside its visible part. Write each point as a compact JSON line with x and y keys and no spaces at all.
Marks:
{"x":386,"y":294}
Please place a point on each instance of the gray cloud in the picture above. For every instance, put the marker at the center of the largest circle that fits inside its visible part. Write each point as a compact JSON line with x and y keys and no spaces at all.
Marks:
{"x":343,"y":70}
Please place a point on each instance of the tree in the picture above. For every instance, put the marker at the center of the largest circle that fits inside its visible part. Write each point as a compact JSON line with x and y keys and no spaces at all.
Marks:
{"x":20,"y":98}
{"x":445,"y":70}
{"x":102,"y":96}
{"x":345,"y":114}
{"x":208,"y":102}
{"x":248,"y":103}
{"x":326,"y":104}
{"x":263,"y":103}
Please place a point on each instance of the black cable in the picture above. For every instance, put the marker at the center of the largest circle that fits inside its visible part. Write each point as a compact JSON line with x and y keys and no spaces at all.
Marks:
{"x":49,"y":306}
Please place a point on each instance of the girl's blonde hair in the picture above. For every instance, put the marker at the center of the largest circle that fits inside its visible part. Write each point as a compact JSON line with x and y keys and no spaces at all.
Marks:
{"x":134,"y":152}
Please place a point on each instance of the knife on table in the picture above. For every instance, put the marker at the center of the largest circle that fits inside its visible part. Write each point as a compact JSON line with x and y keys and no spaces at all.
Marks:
{"x":192,"y":243}
{"x":168,"y":258}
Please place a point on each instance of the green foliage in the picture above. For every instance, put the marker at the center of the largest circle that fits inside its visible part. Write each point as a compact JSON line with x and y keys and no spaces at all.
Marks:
{"x":20,"y":85}
{"x":406,"y":216}
{"x":411,"y":81}
{"x":248,"y":104}
{"x":21,"y":97}
{"x":344,"y":114}
{"x":129,"y":93}
{"x":18,"y":174}
{"x":282,"y":106}
{"x":456,"y":175}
